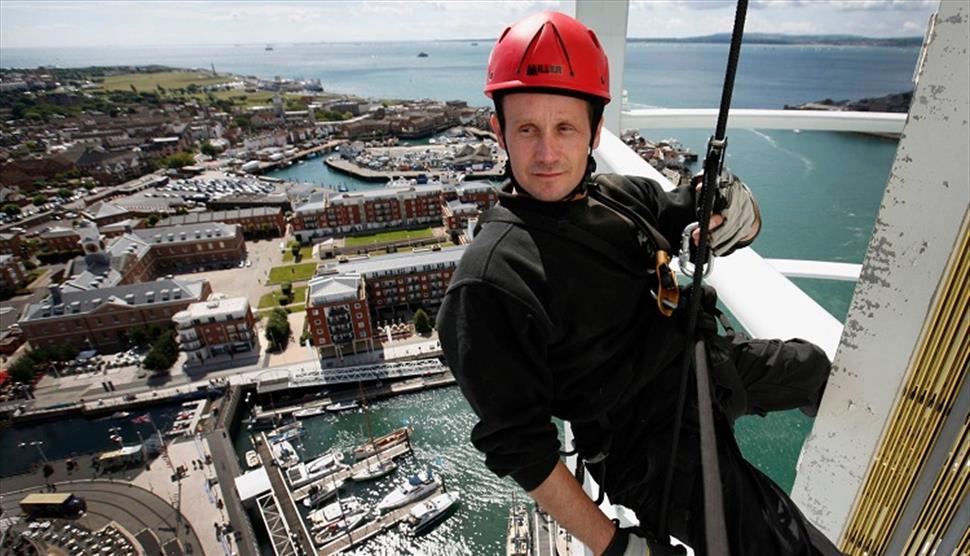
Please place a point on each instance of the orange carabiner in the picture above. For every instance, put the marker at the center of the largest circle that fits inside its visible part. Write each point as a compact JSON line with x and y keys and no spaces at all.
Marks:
{"x":668,"y":294}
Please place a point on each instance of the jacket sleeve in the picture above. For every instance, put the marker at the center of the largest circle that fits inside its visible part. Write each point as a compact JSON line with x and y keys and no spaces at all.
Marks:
{"x":673,"y":210}
{"x":495,"y":350}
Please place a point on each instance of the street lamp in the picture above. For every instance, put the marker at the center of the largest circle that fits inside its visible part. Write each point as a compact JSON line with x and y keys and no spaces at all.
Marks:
{"x":37,"y":444}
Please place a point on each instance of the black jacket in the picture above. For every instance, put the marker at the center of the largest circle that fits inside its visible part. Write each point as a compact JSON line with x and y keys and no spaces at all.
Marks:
{"x":539,"y":322}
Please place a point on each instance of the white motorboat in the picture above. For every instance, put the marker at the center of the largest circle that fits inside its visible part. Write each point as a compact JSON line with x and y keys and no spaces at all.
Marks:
{"x":376,"y":471}
{"x":346,"y":523}
{"x":252,"y":460}
{"x":285,"y":454}
{"x":288,"y":432}
{"x":303,"y":473}
{"x":427,"y":514}
{"x":413,"y":488}
{"x":321,"y":493}
{"x":328,"y":461}
{"x":331,"y":513}
{"x":341,"y":406}
{"x":309,"y":412}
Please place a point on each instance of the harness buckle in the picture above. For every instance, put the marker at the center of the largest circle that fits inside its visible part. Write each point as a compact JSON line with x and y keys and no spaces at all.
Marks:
{"x":668,"y":294}
{"x":683,"y":258}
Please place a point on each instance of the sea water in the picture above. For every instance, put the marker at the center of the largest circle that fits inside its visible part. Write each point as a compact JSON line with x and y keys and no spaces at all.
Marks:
{"x":819,"y":193}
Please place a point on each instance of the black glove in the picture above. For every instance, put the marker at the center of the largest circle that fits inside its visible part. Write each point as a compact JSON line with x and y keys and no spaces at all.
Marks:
{"x":734,"y":201}
{"x":631,"y":542}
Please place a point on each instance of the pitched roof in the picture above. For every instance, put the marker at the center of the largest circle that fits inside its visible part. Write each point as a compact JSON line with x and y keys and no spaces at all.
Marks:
{"x":131,"y":295}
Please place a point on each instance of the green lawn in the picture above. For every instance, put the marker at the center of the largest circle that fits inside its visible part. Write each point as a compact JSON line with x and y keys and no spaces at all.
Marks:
{"x":167,"y":79}
{"x":384,"y":237}
{"x":264,"y":313}
{"x":305,"y":253}
{"x":291,"y":273}
{"x":271,"y":299}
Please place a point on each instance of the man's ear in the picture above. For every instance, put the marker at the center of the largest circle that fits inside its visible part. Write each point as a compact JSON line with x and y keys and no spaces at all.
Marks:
{"x":497,"y":129}
{"x":596,"y":139}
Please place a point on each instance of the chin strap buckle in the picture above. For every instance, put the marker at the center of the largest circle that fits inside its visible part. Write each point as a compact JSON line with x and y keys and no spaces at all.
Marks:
{"x":668,"y":294}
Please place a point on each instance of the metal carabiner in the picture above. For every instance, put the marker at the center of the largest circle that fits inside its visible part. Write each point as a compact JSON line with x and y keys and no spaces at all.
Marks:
{"x":683,"y":258}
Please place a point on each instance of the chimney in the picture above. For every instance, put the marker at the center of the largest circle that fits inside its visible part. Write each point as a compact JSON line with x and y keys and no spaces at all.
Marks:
{"x":55,"y":290}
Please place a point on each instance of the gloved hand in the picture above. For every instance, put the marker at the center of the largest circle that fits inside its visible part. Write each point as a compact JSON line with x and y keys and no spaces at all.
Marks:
{"x":629,"y":542}
{"x":739,"y":210}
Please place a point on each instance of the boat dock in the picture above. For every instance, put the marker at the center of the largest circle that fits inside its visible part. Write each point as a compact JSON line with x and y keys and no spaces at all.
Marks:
{"x":543,"y":534}
{"x":284,"y":503}
{"x":351,"y":538}
{"x":324,"y":148}
{"x":394,"y":451}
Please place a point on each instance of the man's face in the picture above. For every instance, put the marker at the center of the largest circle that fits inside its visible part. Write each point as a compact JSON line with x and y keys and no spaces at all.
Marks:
{"x":547,"y":139}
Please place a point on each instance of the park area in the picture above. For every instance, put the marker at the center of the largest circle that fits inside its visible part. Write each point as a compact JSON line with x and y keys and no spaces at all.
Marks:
{"x":291,"y":273}
{"x":388,"y":237}
{"x":167,"y":80}
{"x":272,"y":299}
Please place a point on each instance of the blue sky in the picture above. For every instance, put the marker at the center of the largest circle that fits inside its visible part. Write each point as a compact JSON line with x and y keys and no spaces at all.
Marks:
{"x":40,"y":23}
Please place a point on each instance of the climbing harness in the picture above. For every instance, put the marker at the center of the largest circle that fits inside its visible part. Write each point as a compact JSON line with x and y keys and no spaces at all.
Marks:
{"x":714,"y":522}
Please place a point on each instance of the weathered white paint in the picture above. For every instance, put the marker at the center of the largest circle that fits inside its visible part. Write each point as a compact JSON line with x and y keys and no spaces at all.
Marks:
{"x":919,"y":221}
{"x":745,"y":118}
{"x":608,"y":19}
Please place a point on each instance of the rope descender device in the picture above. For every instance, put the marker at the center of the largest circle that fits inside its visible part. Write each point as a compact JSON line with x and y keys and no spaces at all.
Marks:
{"x":668,"y":293}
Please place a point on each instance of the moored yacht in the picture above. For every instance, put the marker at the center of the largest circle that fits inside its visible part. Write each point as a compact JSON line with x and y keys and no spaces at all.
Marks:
{"x":345,"y":523}
{"x":285,"y":454}
{"x":427,"y":514}
{"x":413,"y":488}
{"x":374,"y":471}
{"x":320,"y":493}
{"x":331,"y":513}
{"x":518,"y":537}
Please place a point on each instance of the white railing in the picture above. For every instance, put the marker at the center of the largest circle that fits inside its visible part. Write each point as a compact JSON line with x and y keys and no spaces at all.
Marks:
{"x":743,"y":118}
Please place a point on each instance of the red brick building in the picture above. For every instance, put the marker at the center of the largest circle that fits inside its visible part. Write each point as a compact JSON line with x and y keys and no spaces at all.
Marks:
{"x":337,"y":315}
{"x":12,"y":273}
{"x":102,"y":318}
{"x":10,"y":244}
{"x":220,"y":325}
{"x":59,"y":239}
{"x":252,"y":220}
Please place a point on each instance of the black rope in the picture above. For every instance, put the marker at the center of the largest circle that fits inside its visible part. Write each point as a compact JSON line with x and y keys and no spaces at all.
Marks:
{"x":712,"y":169}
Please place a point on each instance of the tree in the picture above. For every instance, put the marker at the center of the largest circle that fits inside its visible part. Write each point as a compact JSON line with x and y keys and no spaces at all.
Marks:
{"x":23,"y":369}
{"x":38,"y":199}
{"x":207,"y":149}
{"x":286,"y":288}
{"x":64,"y":193}
{"x":163,"y":354}
{"x":11,"y":209}
{"x":139,"y":337}
{"x":295,"y":250}
{"x":278,"y":328}
{"x":152,"y":220}
{"x":178,"y":160}
{"x":422,"y":324}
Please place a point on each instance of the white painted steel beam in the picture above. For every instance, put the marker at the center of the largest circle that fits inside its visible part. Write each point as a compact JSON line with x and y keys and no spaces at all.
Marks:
{"x":608,"y":19}
{"x":919,"y":224}
{"x":825,"y":270}
{"x":743,"y":118}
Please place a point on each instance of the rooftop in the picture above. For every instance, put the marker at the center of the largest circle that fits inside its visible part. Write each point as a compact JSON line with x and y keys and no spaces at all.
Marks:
{"x":398,"y":262}
{"x":215,"y":216}
{"x":329,"y":289}
{"x":131,"y":295}
{"x":216,"y":305}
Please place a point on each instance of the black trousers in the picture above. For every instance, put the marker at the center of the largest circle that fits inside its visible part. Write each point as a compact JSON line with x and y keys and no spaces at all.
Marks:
{"x":761,"y":376}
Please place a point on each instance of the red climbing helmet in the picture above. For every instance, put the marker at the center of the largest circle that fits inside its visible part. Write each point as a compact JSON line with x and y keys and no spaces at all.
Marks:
{"x":549,"y":50}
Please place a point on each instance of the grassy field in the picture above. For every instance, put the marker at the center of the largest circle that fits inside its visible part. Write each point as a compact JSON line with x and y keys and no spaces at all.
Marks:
{"x":167,"y":79}
{"x":264,"y":313}
{"x":305,"y":253}
{"x":385,"y":237}
{"x":271,"y":299}
{"x":291,"y":273}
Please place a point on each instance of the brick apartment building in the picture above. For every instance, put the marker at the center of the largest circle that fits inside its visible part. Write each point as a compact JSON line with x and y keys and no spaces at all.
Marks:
{"x":12,"y":272}
{"x":220,"y":325}
{"x":10,"y":244}
{"x":367,"y":211}
{"x":252,"y":220}
{"x":388,"y":208}
{"x":337,"y":315}
{"x":344,"y":301}
{"x":144,"y":254}
{"x":102,"y":318}
{"x":59,"y":239}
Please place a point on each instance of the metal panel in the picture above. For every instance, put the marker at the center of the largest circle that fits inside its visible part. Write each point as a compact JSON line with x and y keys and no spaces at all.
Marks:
{"x":917,"y":229}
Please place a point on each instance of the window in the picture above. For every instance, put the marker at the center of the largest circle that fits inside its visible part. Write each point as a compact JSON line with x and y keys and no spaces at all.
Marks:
{"x":360,"y":325}
{"x":360,"y":315}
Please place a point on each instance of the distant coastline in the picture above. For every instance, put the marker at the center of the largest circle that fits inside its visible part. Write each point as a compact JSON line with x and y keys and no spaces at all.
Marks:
{"x":780,"y":39}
